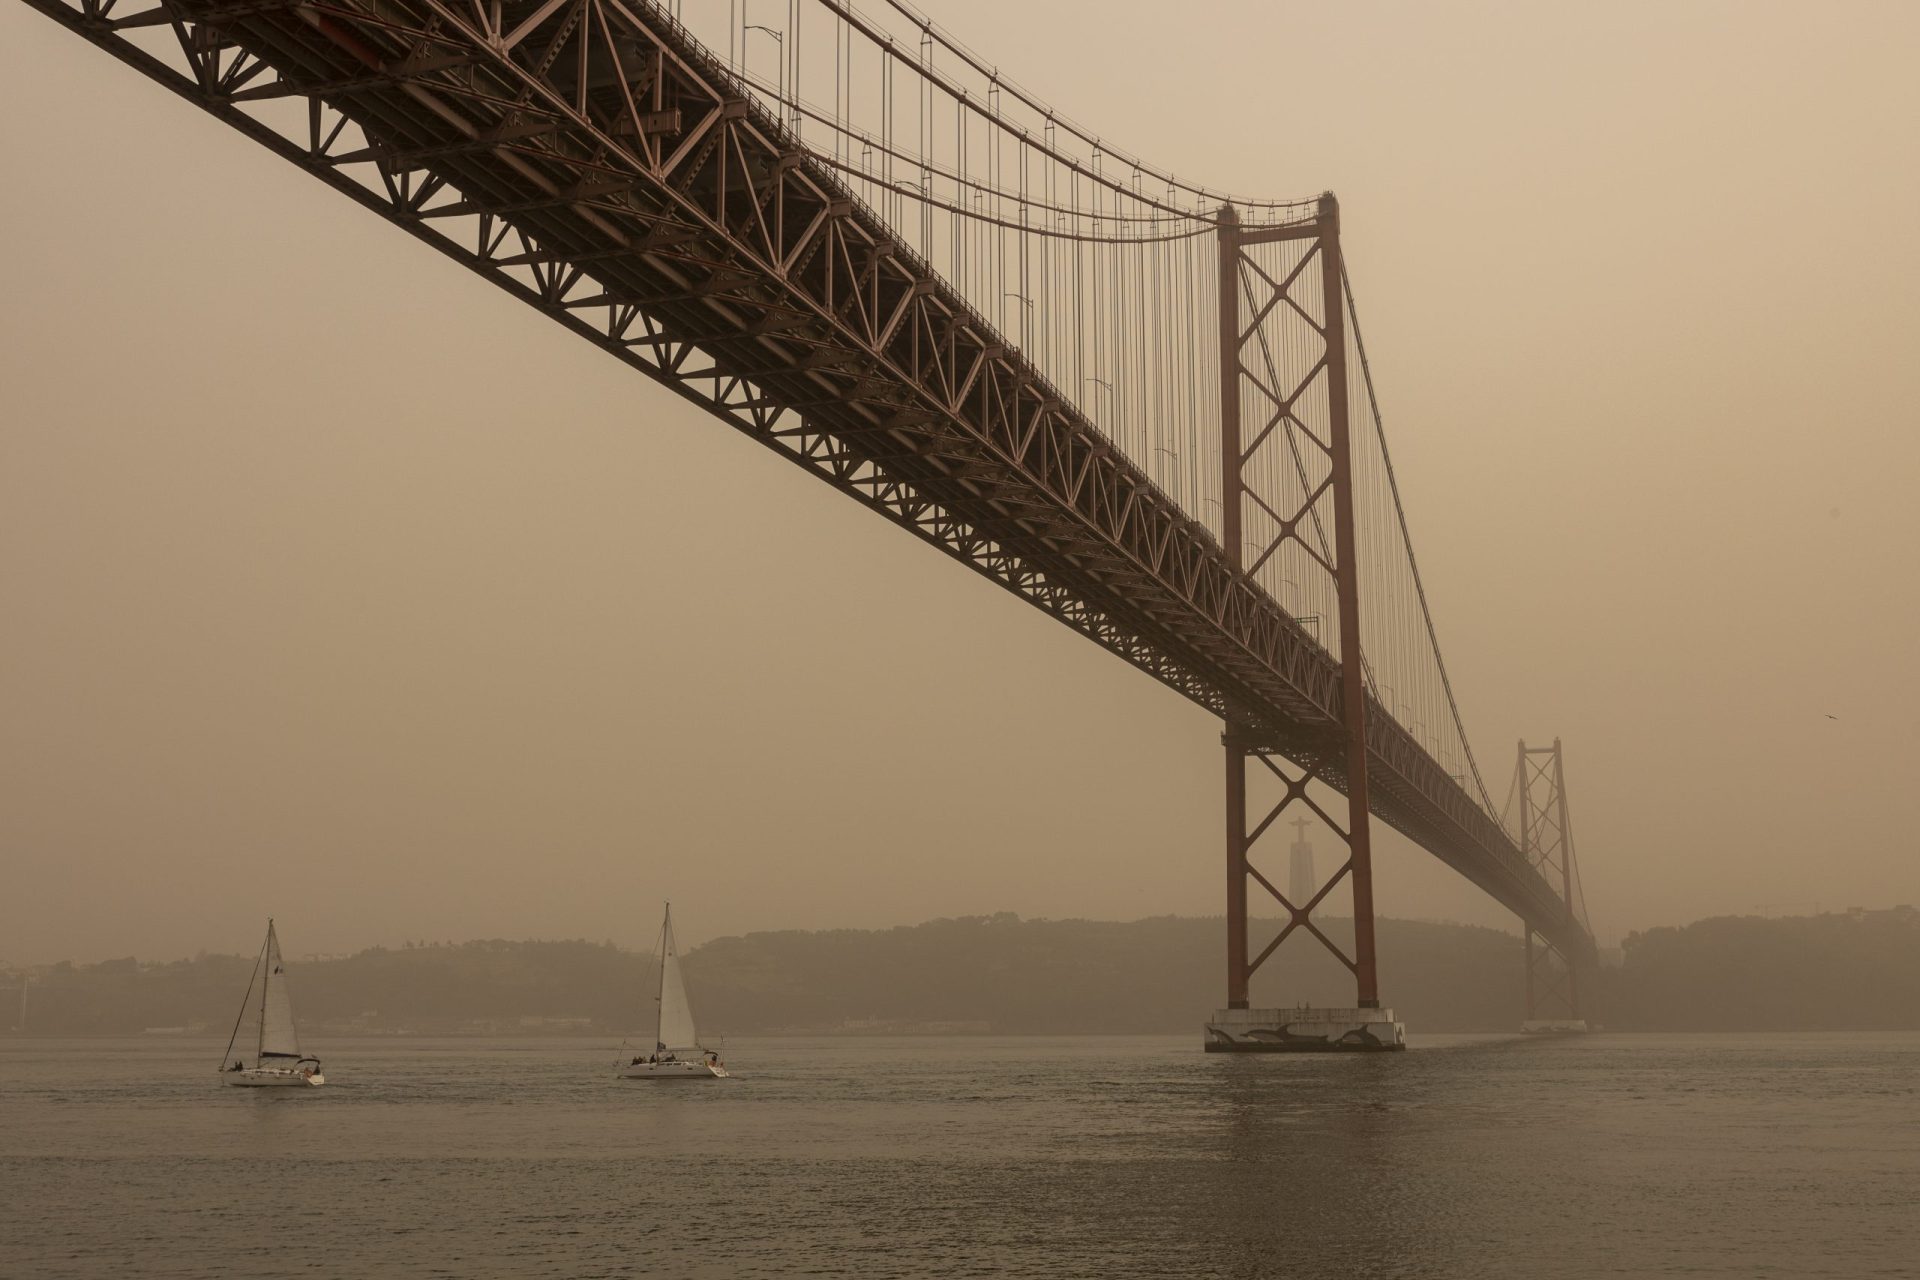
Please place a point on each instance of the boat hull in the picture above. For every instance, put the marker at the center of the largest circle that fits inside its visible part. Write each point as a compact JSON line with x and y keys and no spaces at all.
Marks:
{"x":272,"y":1078}
{"x":674,"y":1071}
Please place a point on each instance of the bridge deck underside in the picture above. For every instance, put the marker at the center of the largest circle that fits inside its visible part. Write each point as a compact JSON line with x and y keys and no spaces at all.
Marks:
{"x":596,"y":162}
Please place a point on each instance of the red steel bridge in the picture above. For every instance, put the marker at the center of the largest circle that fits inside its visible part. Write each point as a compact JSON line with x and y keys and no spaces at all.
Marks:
{"x":1141,"y":405}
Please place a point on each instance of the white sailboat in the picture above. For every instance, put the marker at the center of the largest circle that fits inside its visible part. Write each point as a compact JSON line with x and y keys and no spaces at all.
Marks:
{"x":277,"y":1060}
{"x":677,"y":1054}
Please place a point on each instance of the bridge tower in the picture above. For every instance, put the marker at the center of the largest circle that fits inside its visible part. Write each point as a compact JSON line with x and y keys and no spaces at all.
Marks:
{"x":1554,"y":994}
{"x":1265,"y":398}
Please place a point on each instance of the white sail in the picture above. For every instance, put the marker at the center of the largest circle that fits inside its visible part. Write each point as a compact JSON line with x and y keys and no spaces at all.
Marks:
{"x":676,"y":1015}
{"x":277,"y":1037}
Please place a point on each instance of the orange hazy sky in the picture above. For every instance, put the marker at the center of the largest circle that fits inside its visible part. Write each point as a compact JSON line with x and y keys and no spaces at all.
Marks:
{"x":335,"y":587}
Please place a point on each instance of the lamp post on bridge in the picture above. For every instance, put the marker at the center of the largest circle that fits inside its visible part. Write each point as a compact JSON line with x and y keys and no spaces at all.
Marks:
{"x":780,"y":42}
{"x":1025,"y":317}
{"x":1107,"y":386}
{"x":1112,"y":426}
{"x":1173,"y":460}
{"x":1303,"y":619}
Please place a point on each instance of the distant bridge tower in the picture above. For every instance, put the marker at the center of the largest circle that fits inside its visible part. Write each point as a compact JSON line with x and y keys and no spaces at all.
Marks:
{"x":1554,"y":1001}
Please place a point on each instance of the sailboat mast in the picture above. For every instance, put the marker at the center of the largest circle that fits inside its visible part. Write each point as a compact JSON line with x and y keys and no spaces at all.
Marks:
{"x":660,"y":987}
{"x":241,"y":1016}
{"x":266,"y":976}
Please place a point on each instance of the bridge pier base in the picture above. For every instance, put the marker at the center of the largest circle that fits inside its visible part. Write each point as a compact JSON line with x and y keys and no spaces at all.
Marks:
{"x":1305,"y":1030}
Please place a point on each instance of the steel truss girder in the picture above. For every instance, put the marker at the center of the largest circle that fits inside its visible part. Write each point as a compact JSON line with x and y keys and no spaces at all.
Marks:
{"x":590,"y":100}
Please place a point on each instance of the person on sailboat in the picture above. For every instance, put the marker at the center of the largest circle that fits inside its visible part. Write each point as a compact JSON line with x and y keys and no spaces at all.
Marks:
{"x":674,"y":1032}
{"x":275,"y":1059}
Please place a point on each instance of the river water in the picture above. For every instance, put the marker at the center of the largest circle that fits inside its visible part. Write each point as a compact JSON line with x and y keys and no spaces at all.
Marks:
{"x":1628,"y":1155}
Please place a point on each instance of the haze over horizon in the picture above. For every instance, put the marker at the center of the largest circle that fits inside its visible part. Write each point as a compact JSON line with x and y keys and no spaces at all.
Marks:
{"x":340,"y":589}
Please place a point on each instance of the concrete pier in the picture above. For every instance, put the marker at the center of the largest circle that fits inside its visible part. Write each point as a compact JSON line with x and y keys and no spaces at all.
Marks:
{"x":1305,"y":1031}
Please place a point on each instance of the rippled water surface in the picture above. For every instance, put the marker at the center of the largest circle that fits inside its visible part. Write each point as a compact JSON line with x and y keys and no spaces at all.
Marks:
{"x":1610,"y":1155}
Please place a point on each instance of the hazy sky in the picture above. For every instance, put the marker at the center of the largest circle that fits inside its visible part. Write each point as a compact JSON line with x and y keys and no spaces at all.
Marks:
{"x":335,"y":586}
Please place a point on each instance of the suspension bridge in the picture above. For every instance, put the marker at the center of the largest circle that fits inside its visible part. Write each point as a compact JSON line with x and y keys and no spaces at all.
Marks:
{"x":1141,"y":405}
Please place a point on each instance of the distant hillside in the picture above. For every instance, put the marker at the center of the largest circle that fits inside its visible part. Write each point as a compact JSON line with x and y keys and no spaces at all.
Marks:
{"x":475,"y":986}
{"x":1012,"y":975}
{"x":1844,"y":971}
{"x":995,"y":973}
{"x":1002,"y":974}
